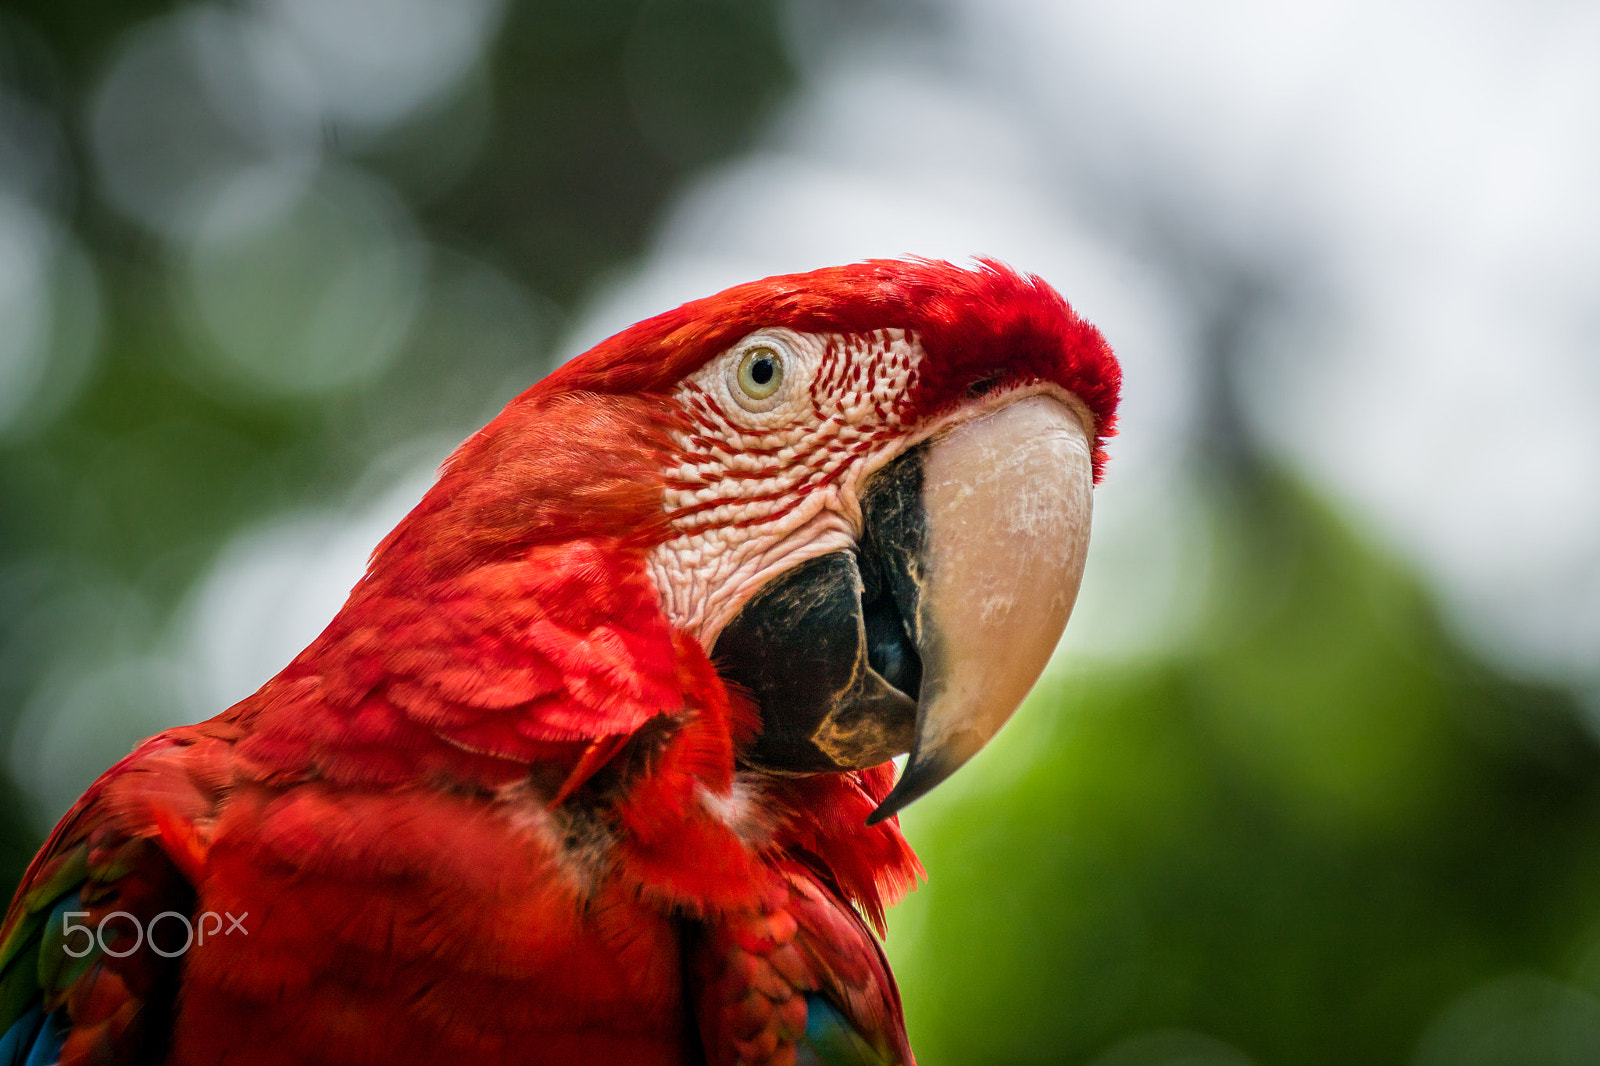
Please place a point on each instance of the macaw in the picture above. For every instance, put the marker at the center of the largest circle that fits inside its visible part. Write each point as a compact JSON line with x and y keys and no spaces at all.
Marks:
{"x":593,"y":766}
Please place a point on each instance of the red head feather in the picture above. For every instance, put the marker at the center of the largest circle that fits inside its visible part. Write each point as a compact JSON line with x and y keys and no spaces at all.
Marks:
{"x":971,"y":322}
{"x":581,"y":452}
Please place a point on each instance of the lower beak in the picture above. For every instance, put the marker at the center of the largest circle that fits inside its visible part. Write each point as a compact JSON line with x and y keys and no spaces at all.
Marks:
{"x":927,"y":637}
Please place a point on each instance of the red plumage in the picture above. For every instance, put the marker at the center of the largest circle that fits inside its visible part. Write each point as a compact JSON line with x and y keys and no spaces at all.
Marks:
{"x":490,"y":813}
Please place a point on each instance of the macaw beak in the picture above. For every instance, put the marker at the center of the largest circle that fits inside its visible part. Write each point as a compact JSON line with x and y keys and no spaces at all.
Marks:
{"x":927,"y":637}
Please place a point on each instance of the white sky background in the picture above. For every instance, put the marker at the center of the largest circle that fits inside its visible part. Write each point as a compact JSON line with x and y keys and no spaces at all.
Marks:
{"x":1424,"y":179}
{"x":1416,"y":183}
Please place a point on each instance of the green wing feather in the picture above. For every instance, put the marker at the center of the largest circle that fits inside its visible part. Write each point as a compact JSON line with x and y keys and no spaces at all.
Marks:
{"x":26,"y":971}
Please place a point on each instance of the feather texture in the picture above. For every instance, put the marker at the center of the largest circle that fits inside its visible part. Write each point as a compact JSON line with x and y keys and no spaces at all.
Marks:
{"x":494,"y":812}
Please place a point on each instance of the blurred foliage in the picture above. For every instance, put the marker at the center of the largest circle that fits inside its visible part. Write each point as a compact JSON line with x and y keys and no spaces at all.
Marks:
{"x":601,"y":106}
{"x":1303,"y":838}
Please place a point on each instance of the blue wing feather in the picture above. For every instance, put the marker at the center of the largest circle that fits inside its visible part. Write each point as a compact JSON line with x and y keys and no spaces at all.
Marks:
{"x":831,"y":1040}
{"x":33,"y":1040}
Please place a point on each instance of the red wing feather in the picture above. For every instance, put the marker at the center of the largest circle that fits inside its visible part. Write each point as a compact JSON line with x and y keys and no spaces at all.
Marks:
{"x":759,"y":973}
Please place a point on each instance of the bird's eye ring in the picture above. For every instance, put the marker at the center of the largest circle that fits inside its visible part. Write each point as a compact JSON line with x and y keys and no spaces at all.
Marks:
{"x":760,"y":372}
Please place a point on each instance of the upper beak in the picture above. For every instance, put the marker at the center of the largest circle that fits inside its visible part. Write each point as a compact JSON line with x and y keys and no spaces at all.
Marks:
{"x":928,"y":637}
{"x":1007,"y":499}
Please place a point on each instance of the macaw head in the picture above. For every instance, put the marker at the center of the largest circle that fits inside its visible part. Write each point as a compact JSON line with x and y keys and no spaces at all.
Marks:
{"x":864,"y":491}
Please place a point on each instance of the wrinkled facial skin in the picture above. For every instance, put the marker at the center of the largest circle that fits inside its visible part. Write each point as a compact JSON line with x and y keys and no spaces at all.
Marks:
{"x":878,"y":584}
{"x":762,"y":486}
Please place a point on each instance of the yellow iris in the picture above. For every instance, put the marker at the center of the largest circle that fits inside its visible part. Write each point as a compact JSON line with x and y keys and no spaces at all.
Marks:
{"x":760,"y":372}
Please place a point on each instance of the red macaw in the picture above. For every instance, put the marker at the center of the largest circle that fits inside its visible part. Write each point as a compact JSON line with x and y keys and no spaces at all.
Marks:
{"x":592,"y":767}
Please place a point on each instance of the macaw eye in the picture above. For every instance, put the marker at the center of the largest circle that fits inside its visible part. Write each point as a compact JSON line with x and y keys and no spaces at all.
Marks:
{"x":760,"y":372}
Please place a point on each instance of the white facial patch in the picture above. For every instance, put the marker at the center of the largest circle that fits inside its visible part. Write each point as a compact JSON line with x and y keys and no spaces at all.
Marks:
{"x":771,"y":476}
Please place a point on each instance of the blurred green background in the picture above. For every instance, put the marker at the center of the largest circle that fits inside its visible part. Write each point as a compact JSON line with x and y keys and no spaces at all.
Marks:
{"x":1284,"y":797}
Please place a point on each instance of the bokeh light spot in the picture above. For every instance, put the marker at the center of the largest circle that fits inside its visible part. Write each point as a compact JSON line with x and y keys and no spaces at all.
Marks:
{"x":301,"y":285}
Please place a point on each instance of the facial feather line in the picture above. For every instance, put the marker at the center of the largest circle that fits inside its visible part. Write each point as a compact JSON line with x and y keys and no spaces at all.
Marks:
{"x":755,"y":494}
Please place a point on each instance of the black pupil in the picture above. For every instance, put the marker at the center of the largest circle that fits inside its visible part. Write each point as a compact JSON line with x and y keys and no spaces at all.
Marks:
{"x":761,"y":370}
